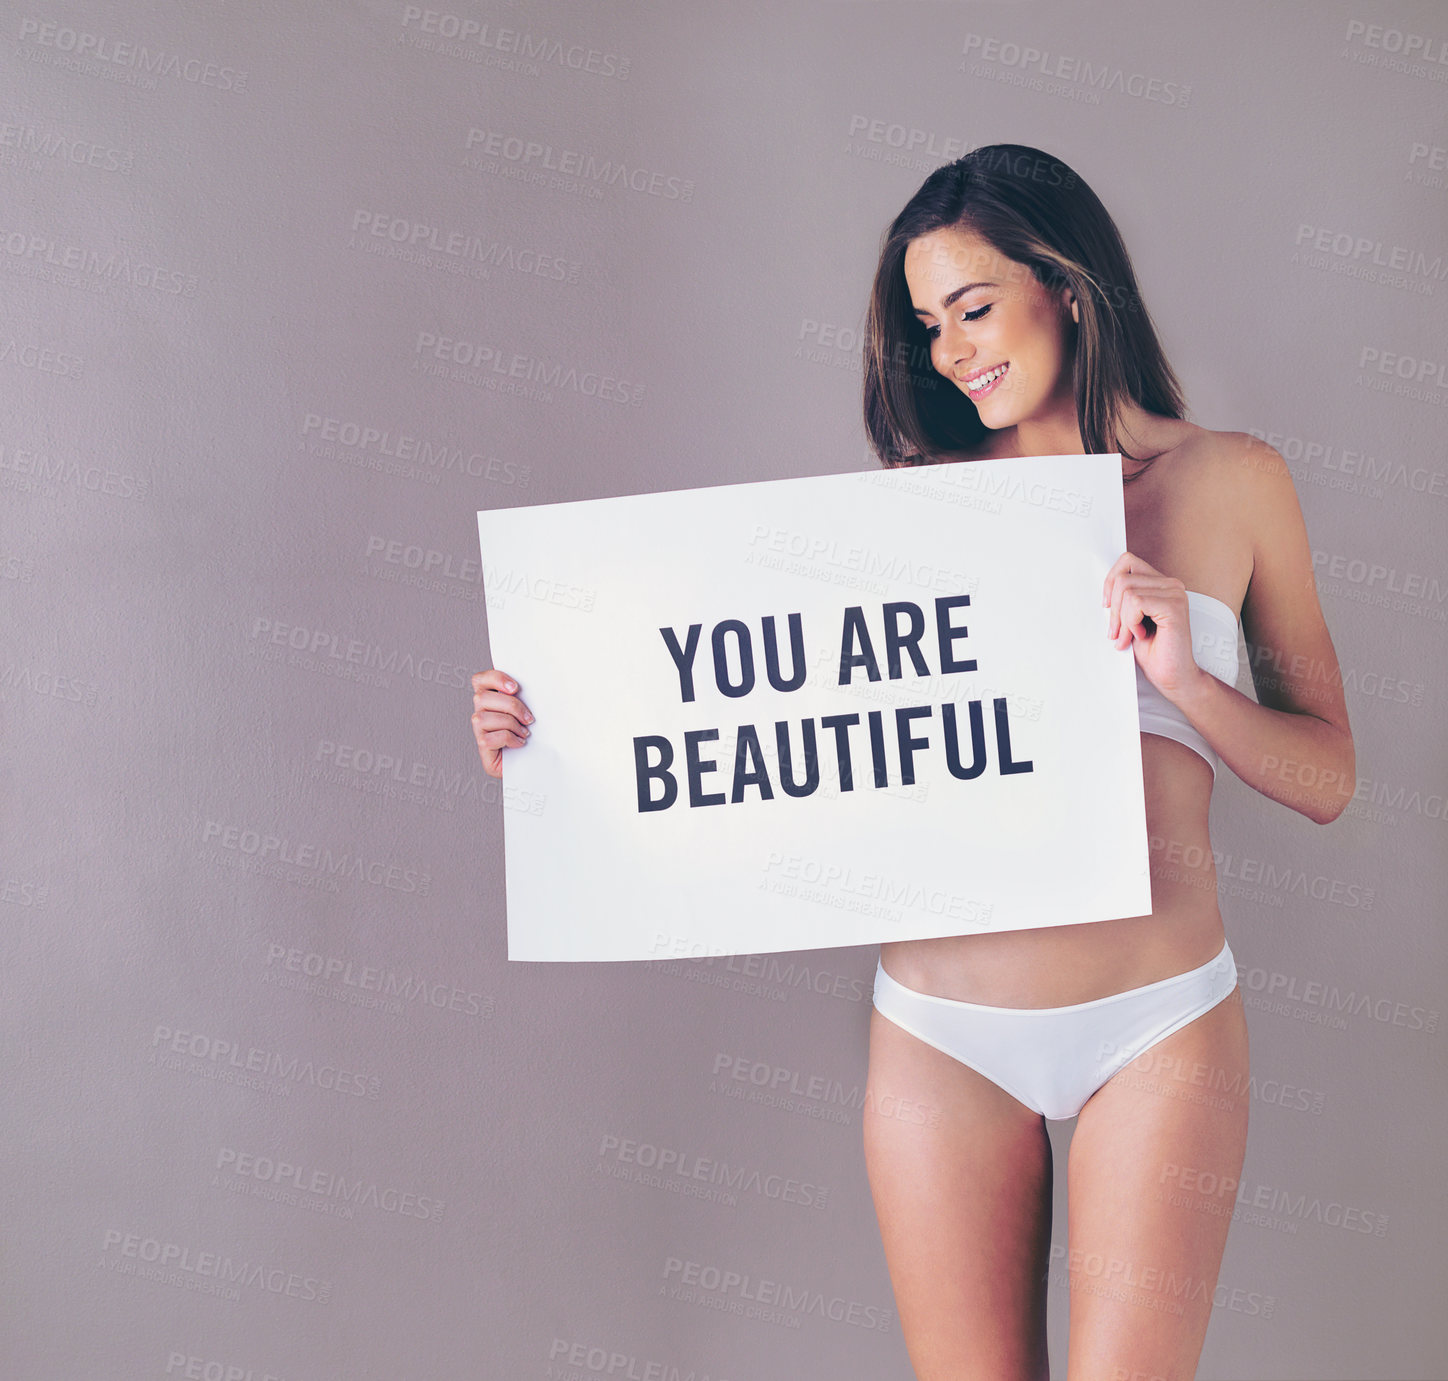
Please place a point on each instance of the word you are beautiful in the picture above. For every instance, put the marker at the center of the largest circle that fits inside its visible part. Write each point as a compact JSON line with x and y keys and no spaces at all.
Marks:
{"x":902,"y":627}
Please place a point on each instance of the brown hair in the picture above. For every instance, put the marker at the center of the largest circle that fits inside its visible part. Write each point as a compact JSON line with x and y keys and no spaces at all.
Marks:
{"x":1035,"y":210}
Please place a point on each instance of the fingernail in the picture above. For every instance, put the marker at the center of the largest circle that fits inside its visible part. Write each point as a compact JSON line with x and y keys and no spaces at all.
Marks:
{"x":510,"y":685}
{"x":527,"y":718}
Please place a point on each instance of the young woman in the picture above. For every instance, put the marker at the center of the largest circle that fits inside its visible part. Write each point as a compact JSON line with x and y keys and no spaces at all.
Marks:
{"x":1005,"y":320}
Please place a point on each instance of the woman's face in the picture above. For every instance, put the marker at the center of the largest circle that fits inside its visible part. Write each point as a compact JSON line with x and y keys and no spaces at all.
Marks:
{"x":1003,"y":321}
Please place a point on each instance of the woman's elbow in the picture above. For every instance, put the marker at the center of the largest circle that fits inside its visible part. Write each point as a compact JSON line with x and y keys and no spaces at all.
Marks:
{"x":1340,"y":783}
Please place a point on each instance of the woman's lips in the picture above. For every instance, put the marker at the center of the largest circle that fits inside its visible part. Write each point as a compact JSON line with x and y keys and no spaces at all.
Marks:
{"x":999,"y":372}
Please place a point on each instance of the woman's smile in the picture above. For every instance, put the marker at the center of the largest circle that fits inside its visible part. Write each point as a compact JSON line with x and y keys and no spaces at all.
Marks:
{"x":982,"y":381}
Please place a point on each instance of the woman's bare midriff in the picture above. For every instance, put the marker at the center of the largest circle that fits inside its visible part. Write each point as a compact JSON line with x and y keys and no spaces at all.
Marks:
{"x":1056,"y":965}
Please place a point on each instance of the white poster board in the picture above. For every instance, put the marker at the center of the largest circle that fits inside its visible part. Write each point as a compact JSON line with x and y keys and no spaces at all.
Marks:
{"x":964,"y":600}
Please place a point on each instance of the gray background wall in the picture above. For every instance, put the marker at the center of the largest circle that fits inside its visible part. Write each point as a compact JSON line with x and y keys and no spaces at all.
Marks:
{"x":276,"y":1104}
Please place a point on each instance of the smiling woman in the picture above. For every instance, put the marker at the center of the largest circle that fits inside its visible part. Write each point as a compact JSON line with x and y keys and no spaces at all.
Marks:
{"x":1005,"y":321}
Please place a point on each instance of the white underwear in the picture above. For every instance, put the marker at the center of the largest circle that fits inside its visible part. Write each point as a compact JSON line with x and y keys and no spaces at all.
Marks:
{"x":1053,"y":1059}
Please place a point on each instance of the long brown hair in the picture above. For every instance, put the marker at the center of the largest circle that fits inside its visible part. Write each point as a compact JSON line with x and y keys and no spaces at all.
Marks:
{"x":1036,"y":210}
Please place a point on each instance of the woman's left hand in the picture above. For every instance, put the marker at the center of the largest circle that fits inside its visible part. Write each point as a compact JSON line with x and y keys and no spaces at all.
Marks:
{"x":1135,"y":591}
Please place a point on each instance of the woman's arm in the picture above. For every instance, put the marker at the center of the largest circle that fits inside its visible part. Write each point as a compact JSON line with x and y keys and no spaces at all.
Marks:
{"x":1294,"y":743}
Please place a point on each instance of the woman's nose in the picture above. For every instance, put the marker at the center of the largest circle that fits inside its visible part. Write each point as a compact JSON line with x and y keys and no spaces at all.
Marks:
{"x":957,"y":346}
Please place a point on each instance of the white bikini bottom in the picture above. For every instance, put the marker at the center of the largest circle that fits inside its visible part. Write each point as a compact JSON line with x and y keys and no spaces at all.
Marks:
{"x":1053,"y":1059}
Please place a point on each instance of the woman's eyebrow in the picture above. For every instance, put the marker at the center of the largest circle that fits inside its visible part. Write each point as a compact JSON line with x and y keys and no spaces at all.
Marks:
{"x":958,"y":292}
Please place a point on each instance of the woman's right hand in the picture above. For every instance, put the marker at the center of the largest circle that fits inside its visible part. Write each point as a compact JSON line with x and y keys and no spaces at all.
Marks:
{"x":500,"y":719}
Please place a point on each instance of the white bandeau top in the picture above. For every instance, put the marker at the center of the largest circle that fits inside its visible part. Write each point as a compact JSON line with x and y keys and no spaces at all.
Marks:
{"x":1214,"y":646}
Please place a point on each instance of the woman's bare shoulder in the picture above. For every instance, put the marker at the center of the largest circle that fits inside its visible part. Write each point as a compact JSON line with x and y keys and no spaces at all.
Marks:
{"x":1246,"y":481}
{"x":1234,"y":466}
{"x":1223,"y":448}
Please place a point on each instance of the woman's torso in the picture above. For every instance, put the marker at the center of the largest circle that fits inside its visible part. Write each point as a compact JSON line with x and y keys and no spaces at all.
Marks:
{"x":1180,"y":519}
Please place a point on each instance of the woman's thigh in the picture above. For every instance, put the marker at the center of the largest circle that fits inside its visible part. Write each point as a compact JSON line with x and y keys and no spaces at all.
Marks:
{"x":1152,"y":1176}
{"x":961,"y":1176}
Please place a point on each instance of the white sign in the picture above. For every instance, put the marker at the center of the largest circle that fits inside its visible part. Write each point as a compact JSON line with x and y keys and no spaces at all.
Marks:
{"x":803,"y":713}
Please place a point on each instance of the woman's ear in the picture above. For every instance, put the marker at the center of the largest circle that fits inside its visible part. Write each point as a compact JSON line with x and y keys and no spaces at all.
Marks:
{"x":1075,"y":311}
